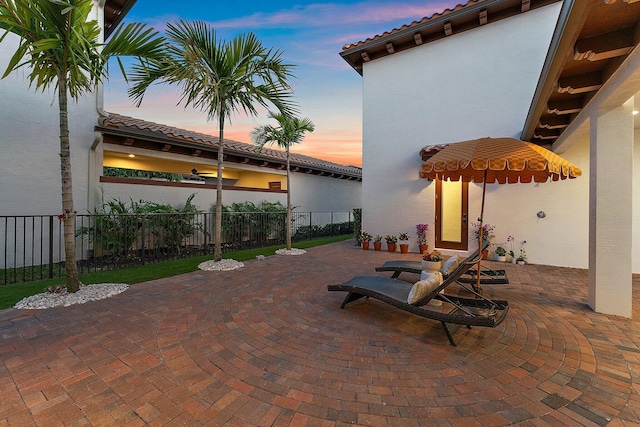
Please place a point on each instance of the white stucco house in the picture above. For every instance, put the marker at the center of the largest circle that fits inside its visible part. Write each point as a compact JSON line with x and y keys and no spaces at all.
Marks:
{"x":30,"y":182}
{"x":559,"y":74}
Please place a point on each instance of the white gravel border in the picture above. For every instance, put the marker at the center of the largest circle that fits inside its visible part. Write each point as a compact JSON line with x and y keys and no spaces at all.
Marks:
{"x":222,"y":265}
{"x":293,"y":251}
{"x":87,"y":293}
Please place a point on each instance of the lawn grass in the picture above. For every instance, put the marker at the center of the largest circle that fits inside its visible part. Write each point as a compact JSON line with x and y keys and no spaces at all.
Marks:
{"x":11,"y":294}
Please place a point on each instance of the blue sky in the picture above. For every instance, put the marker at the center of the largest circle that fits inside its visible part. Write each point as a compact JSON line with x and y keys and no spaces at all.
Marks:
{"x":310,"y":35}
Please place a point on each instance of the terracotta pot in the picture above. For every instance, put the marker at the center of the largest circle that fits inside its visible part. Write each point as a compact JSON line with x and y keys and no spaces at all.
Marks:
{"x":377,"y":246}
{"x":404,"y":248}
{"x":424,"y":248}
{"x":391,"y":247}
{"x":485,"y":254}
{"x":365,"y":246}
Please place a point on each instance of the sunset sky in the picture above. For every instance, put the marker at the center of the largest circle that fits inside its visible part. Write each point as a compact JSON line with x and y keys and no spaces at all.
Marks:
{"x":310,"y":35}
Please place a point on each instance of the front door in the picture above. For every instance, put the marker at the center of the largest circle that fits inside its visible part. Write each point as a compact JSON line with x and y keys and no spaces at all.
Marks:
{"x":451,"y":225}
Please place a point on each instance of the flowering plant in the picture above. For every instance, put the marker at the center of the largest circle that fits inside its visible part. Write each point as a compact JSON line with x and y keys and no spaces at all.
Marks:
{"x":523,"y":253}
{"x":511,"y":241}
{"x":403,"y":236}
{"x":390,"y":238}
{"x":365,"y":237}
{"x":378,"y":238}
{"x":487,"y":231}
{"x":500,"y":251}
{"x":422,"y":233}
{"x":433,"y":256}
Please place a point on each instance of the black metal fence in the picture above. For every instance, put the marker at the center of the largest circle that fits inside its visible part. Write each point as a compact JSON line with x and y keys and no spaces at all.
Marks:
{"x":33,"y":246}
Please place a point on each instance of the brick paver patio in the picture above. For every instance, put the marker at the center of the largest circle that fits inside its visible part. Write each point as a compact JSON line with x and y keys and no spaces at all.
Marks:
{"x":267,"y":345}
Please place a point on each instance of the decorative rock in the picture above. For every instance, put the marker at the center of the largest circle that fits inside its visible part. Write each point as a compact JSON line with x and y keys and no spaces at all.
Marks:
{"x":222,"y":265}
{"x":293,"y":251}
{"x":63,"y":298}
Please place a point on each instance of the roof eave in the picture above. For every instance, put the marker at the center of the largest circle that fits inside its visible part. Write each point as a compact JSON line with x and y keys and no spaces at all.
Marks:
{"x":430,"y":24}
{"x":570,"y":20}
{"x":126,"y":7}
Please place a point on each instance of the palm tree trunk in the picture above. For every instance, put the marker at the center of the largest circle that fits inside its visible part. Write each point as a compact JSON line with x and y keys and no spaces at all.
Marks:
{"x":288,"y":204}
{"x":68,"y":213}
{"x":217,"y":254}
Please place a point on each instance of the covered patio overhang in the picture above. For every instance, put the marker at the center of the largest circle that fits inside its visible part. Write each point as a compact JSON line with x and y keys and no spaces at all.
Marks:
{"x":586,"y":93}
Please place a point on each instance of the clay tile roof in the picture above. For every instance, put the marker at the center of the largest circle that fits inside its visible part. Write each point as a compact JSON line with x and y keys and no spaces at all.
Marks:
{"x":463,"y":17}
{"x":120,"y":122}
{"x":413,"y":24}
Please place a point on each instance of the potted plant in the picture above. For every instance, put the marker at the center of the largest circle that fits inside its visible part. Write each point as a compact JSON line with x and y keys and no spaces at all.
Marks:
{"x":365,"y":238}
{"x":404,"y":242}
{"x":377,"y":242}
{"x":522,"y":258}
{"x":391,"y":242}
{"x":512,"y":254}
{"x":431,"y":262}
{"x":486,"y":233}
{"x":421,"y":231}
{"x":501,"y":253}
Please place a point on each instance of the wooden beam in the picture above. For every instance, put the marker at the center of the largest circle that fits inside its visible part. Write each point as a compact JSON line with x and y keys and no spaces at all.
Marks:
{"x":568,"y":106}
{"x":580,"y":83}
{"x":166,"y":147}
{"x":245,"y":160}
{"x":128,"y":141}
{"x":604,"y":46}
{"x":483,"y":17}
{"x":554,"y":122}
{"x":365,"y":56}
{"x":196,"y":153}
{"x":447,"y":29}
{"x":546,"y":134}
{"x":417,"y":37}
{"x":265,"y":163}
{"x":525,"y":6}
{"x":390,"y":48}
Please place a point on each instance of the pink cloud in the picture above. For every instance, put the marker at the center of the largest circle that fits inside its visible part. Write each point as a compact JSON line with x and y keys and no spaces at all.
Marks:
{"x":331,"y":14}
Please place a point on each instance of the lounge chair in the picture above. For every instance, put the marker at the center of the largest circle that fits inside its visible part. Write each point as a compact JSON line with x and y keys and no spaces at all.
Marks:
{"x":475,"y":311}
{"x":487,"y":275}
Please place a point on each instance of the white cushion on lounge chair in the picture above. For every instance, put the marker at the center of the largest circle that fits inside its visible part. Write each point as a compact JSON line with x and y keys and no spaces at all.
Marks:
{"x":423,"y":287}
{"x":450,"y":265}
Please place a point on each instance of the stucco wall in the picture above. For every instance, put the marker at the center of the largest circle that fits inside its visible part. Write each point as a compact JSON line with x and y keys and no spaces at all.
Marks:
{"x":30,"y":181}
{"x":635,"y":237}
{"x":312,"y":193}
{"x":470,"y":85}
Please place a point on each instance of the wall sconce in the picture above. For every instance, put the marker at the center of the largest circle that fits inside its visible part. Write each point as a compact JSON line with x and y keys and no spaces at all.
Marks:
{"x":541,"y":214}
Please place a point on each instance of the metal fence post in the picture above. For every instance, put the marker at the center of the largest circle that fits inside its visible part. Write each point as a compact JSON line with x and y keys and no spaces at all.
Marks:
{"x":144,"y":236}
{"x":50,"y":246}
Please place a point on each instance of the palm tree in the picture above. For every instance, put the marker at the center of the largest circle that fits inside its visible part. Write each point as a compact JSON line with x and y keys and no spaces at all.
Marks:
{"x":290,"y":131}
{"x":219,"y":78}
{"x":63,"y":49}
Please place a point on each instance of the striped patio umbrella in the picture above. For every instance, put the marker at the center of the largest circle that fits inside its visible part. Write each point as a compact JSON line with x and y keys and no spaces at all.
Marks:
{"x":501,"y":160}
